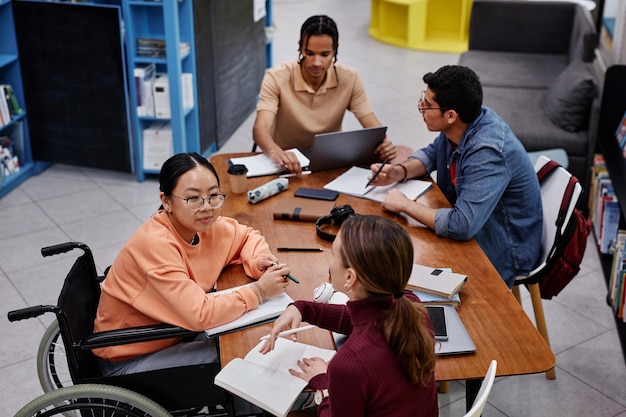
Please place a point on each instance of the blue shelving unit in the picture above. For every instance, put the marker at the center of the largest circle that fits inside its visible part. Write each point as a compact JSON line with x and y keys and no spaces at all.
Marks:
{"x":17,"y":128}
{"x":171,"y":21}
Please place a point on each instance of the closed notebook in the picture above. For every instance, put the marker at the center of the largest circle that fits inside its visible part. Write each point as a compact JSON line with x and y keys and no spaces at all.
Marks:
{"x":301,"y":209}
{"x":435,"y":281}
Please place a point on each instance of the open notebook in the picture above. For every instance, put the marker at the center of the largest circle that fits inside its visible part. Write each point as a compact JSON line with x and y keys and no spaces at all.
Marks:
{"x":266,"y":312}
{"x":353,"y":181}
{"x":264,"y":380}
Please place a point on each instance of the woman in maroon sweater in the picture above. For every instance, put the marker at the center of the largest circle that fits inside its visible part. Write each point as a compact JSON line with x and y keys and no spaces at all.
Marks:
{"x":386,"y":366}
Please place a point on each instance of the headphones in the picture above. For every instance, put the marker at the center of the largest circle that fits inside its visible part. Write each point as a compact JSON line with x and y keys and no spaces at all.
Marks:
{"x":336,"y":217}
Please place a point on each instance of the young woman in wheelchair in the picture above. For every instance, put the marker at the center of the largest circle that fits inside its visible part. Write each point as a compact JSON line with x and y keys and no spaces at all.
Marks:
{"x":167,"y":270}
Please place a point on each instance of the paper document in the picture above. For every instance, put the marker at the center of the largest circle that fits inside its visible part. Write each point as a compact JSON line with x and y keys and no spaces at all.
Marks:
{"x":271,"y":309}
{"x":261,"y":164}
{"x":353,"y":181}
{"x":264,"y":380}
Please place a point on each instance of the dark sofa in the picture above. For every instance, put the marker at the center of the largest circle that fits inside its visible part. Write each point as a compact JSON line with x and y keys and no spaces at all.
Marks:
{"x":535,"y":60}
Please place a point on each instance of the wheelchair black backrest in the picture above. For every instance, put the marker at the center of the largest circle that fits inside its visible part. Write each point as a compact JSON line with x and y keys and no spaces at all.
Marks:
{"x":78,"y":303}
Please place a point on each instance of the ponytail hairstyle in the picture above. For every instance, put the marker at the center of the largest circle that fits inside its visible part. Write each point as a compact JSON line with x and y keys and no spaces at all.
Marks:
{"x":178,"y":165}
{"x":381,"y":253}
{"x":316,"y":26}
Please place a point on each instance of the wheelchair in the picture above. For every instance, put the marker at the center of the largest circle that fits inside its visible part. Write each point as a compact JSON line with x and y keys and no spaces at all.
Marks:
{"x":70,"y":373}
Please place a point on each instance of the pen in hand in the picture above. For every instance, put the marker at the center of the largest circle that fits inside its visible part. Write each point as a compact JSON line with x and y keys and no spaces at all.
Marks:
{"x":290,"y":331}
{"x":291,"y":277}
{"x":376,"y":174}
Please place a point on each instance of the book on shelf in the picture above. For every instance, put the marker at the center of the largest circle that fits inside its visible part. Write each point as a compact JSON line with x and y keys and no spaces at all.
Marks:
{"x":598,"y":168}
{"x":144,"y":78}
{"x":436,"y":281}
{"x":264,"y":380}
{"x":155,"y":48}
{"x":261,"y":164}
{"x":353,"y":182}
{"x":264,"y":313}
{"x":610,"y":225}
{"x":301,"y":209}
{"x":616,"y":278}
{"x":620,"y":132}
{"x":5,"y":113}
{"x":14,"y":106}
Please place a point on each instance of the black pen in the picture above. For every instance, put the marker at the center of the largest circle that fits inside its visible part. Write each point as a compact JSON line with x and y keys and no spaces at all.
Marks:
{"x":300,"y":249}
{"x":376,"y":174}
{"x":291,"y":277}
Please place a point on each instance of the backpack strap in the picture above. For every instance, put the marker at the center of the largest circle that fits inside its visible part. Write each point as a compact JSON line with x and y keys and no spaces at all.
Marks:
{"x":543,"y":173}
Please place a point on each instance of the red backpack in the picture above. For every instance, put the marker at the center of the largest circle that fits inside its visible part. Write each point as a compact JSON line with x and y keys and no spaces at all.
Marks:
{"x":568,"y":249}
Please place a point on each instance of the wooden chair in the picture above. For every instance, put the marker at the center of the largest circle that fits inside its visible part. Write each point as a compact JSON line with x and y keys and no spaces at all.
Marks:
{"x":552,"y":192}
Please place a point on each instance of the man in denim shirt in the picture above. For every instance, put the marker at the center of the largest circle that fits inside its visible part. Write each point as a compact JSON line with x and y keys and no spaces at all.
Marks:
{"x":483,"y":170}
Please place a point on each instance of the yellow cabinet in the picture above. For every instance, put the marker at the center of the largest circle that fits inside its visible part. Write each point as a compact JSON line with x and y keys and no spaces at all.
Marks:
{"x":429,"y":25}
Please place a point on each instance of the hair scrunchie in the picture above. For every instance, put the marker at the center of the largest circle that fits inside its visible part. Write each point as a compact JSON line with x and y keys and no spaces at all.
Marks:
{"x":398,"y":295}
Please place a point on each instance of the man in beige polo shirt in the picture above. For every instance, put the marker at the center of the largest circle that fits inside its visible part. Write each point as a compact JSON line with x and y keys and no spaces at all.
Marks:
{"x":302,"y":98}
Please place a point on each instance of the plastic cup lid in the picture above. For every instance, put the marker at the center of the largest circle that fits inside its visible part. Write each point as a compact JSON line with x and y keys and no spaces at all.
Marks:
{"x":237,"y":169}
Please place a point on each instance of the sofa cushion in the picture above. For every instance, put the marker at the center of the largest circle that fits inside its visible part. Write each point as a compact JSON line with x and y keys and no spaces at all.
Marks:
{"x":510,"y":69}
{"x":568,"y":100}
{"x":522,"y":109}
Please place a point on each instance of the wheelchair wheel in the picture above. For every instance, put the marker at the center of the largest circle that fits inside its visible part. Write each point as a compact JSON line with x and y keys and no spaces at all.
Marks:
{"x":52,"y":367}
{"x":92,"y":400}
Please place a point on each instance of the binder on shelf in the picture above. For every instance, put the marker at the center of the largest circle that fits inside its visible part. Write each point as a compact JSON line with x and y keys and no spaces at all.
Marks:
{"x":187,"y":83}
{"x":161,"y":94}
{"x":158,"y":145}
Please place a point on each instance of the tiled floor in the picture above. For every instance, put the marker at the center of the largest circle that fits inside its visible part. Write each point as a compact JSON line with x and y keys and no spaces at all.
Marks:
{"x":103,"y":208}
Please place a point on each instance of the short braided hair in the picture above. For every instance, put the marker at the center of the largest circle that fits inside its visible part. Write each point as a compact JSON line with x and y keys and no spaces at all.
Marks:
{"x":319,"y":25}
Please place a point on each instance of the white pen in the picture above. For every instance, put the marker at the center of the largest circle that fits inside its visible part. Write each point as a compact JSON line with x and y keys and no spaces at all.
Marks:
{"x":290,"y":331}
{"x":293,"y":175}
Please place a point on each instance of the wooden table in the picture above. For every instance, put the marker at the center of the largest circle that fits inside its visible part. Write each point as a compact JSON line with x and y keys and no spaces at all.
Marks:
{"x":498,"y":325}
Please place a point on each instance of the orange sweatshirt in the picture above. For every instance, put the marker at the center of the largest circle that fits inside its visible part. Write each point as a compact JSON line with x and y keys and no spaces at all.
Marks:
{"x":160,"y":278}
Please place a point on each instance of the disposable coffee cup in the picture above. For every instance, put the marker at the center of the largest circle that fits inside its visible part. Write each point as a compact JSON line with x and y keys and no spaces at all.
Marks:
{"x":238,"y":174}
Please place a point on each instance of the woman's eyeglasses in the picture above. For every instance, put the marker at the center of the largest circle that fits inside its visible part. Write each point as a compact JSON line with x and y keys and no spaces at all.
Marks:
{"x":195,"y":202}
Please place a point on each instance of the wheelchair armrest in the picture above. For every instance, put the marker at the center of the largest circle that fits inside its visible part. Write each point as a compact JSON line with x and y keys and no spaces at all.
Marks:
{"x":134,"y":335}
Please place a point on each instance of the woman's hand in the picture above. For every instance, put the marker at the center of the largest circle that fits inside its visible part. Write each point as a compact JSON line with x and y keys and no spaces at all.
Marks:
{"x":289,"y":319}
{"x":265,"y":262}
{"x":273,"y":282}
{"x":310,"y":367}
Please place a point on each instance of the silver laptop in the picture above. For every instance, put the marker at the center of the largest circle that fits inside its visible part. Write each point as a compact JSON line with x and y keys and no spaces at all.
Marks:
{"x":345,"y":149}
{"x":459,"y":341}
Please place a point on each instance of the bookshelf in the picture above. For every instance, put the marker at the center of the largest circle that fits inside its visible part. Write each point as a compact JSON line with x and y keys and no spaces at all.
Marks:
{"x":612,"y":110}
{"x":171,"y":21}
{"x":17,"y":128}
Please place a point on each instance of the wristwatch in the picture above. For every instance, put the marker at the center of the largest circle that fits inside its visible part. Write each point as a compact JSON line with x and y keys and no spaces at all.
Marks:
{"x":319,"y":396}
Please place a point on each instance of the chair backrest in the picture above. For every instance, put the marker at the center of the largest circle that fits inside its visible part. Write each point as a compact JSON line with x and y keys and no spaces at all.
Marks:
{"x":552,"y":193}
{"x":483,"y":393}
{"x":78,"y":303}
